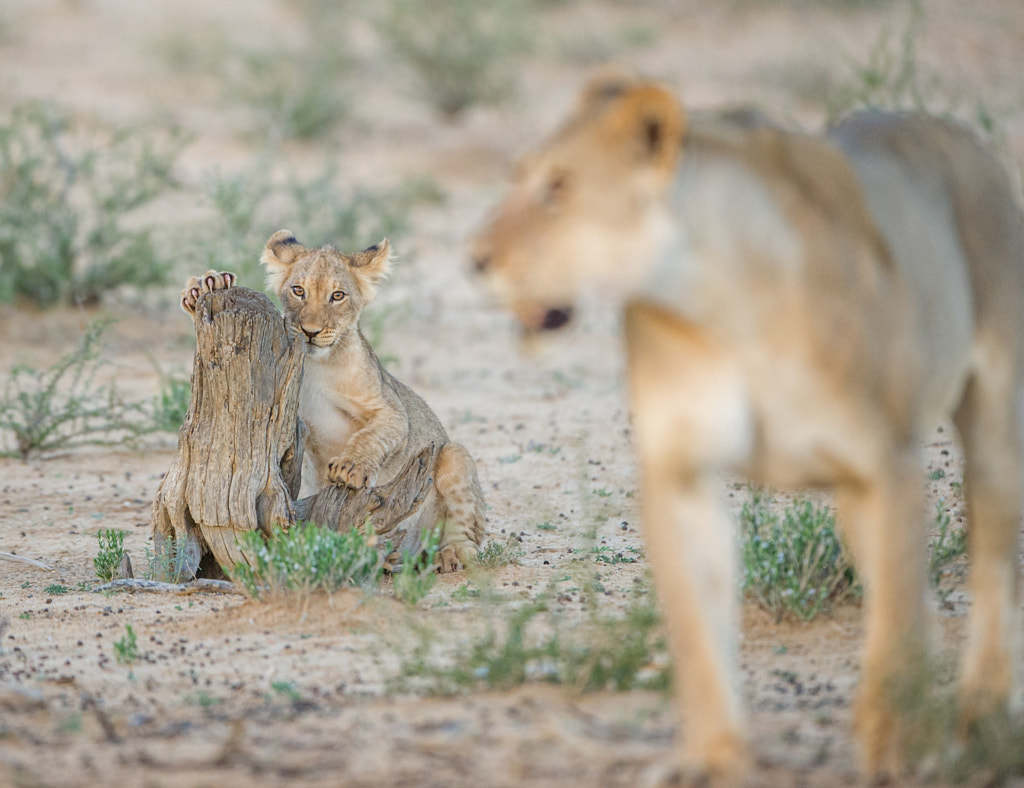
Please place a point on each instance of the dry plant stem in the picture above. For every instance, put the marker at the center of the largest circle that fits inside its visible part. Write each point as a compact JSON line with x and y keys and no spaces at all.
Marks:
{"x":202,"y":585}
{"x":239,"y":450}
{"x":17,"y":559}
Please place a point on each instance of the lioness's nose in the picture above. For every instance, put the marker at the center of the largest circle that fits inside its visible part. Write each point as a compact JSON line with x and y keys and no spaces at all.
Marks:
{"x":310,"y":333}
{"x":481,"y":262}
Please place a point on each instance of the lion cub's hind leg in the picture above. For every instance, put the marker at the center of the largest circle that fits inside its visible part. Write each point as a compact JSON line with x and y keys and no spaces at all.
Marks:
{"x":208,"y":282}
{"x":461,"y":507}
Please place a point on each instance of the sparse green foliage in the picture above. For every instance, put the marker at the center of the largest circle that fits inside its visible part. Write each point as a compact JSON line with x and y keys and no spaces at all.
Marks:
{"x":305,"y":559}
{"x":889,"y":79}
{"x":56,"y":589}
{"x":170,"y":405}
{"x":170,"y":565}
{"x":65,"y":234}
{"x":796,"y":564}
{"x":286,"y":689}
{"x":248,"y":207}
{"x":944,"y":566}
{"x":419,"y":572}
{"x":111,"y":552}
{"x":500,"y":553}
{"x":126,"y":650}
{"x":458,"y":51}
{"x":63,"y":406}
{"x":533,"y":644}
{"x":603,"y":554}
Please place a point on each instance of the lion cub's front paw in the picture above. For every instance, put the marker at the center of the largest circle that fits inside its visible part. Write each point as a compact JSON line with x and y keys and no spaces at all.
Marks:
{"x":197,"y":285}
{"x":345,"y":471}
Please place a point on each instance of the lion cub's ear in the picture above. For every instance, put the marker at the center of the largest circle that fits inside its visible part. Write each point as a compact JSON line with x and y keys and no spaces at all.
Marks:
{"x":370,"y":267}
{"x":280,"y":252}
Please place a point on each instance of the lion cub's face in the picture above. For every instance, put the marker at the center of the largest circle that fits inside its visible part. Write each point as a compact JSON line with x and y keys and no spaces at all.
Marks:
{"x":323,"y":291}
{"x":587,"y":206}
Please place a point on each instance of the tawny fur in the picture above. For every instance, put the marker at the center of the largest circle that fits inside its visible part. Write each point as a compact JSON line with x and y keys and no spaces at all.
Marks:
{"x":364,"y":424}
{"x":803,"y":310}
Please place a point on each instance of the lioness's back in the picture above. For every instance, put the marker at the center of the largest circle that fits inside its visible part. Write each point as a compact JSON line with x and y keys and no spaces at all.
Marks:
{"x":944,"y":165}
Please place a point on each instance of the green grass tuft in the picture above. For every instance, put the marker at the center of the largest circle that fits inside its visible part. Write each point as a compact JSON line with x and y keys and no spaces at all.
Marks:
{"x":795,"y":565}
{"x":305,"y":559}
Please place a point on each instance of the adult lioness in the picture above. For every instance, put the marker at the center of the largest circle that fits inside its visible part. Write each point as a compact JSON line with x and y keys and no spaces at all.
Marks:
{"x":364,"y":424}
{"x":803,"y":310}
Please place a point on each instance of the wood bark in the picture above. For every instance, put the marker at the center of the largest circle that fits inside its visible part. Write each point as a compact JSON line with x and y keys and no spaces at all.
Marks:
{"x":239,"y":460}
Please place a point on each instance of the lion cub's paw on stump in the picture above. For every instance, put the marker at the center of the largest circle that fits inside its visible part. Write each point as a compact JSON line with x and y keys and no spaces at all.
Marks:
{"x":348,"y":472}
{"x":207,"y":283}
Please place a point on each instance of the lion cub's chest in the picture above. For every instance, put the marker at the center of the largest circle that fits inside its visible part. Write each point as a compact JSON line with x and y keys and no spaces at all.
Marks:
{"x":327,"y":412}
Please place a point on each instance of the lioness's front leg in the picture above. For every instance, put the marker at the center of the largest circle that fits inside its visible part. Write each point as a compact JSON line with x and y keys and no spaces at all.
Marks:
{"x":692,"y":419}
{"x":208,"y":282}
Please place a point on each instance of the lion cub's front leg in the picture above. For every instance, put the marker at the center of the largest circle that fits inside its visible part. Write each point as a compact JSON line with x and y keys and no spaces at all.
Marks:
{"x":366,"y":452}
{"x":208,"y":282}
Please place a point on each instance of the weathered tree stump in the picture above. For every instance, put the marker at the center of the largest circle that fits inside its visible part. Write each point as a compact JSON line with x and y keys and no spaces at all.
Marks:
{"x":239,"y":461}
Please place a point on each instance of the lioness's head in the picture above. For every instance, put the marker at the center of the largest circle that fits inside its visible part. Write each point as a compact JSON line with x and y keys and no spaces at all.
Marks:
{"x":323,"y":291}
{"x":589,"y":205}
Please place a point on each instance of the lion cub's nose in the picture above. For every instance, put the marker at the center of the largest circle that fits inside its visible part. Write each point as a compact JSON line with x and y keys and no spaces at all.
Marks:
{"x":311,"y":333}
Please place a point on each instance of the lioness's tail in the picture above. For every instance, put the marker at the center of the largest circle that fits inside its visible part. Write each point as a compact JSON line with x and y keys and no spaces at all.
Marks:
{"x":462,"y":506}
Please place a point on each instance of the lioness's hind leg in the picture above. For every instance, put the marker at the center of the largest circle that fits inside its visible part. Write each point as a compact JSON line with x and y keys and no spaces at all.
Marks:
{"x":197,"y":285}
{"x":884,"y":518}
{"x":462,"y":507}
{"x":990,"y":429}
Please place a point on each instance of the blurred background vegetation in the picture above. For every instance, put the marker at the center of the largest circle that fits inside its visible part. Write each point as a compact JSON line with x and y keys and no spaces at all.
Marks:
{"x":96,"y":199}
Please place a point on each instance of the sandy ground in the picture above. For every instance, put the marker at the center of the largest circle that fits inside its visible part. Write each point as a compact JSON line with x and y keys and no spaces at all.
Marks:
{"x":230,"y":692}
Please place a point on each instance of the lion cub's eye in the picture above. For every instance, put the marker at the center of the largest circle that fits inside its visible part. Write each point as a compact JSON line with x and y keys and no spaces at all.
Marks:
{"x":337,"y":296}
{"x":298,"y":291}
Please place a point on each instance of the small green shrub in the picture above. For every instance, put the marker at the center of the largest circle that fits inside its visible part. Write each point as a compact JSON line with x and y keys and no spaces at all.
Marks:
{"x":796,"y":564}
{"x":65,"y":208}
{"x":305,"y":559}
{"x":57,"y":589}
{"x":126,"y":650}
{"x":63,"y":406}
{"x":459,"y":52}
{"x":111,"y":553}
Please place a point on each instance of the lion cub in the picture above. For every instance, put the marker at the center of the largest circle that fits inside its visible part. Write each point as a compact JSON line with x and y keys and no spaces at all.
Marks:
{"x":364,"y":424}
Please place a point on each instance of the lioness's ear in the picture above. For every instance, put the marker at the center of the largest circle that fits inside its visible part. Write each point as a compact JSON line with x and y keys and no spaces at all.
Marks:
{"x":604,"y":85}
{"x":280,"y":252}
{"x":370,"y":267}
{"x":651,"y":120}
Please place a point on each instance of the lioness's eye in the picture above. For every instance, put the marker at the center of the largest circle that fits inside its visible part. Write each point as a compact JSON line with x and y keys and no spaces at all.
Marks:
{"x":555,"y":188}
{"x":298,"y":291}
{"x":337,"y":296}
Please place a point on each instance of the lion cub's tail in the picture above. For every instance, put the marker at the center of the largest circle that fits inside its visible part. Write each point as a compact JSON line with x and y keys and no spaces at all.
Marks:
{"x":462,"y":506}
